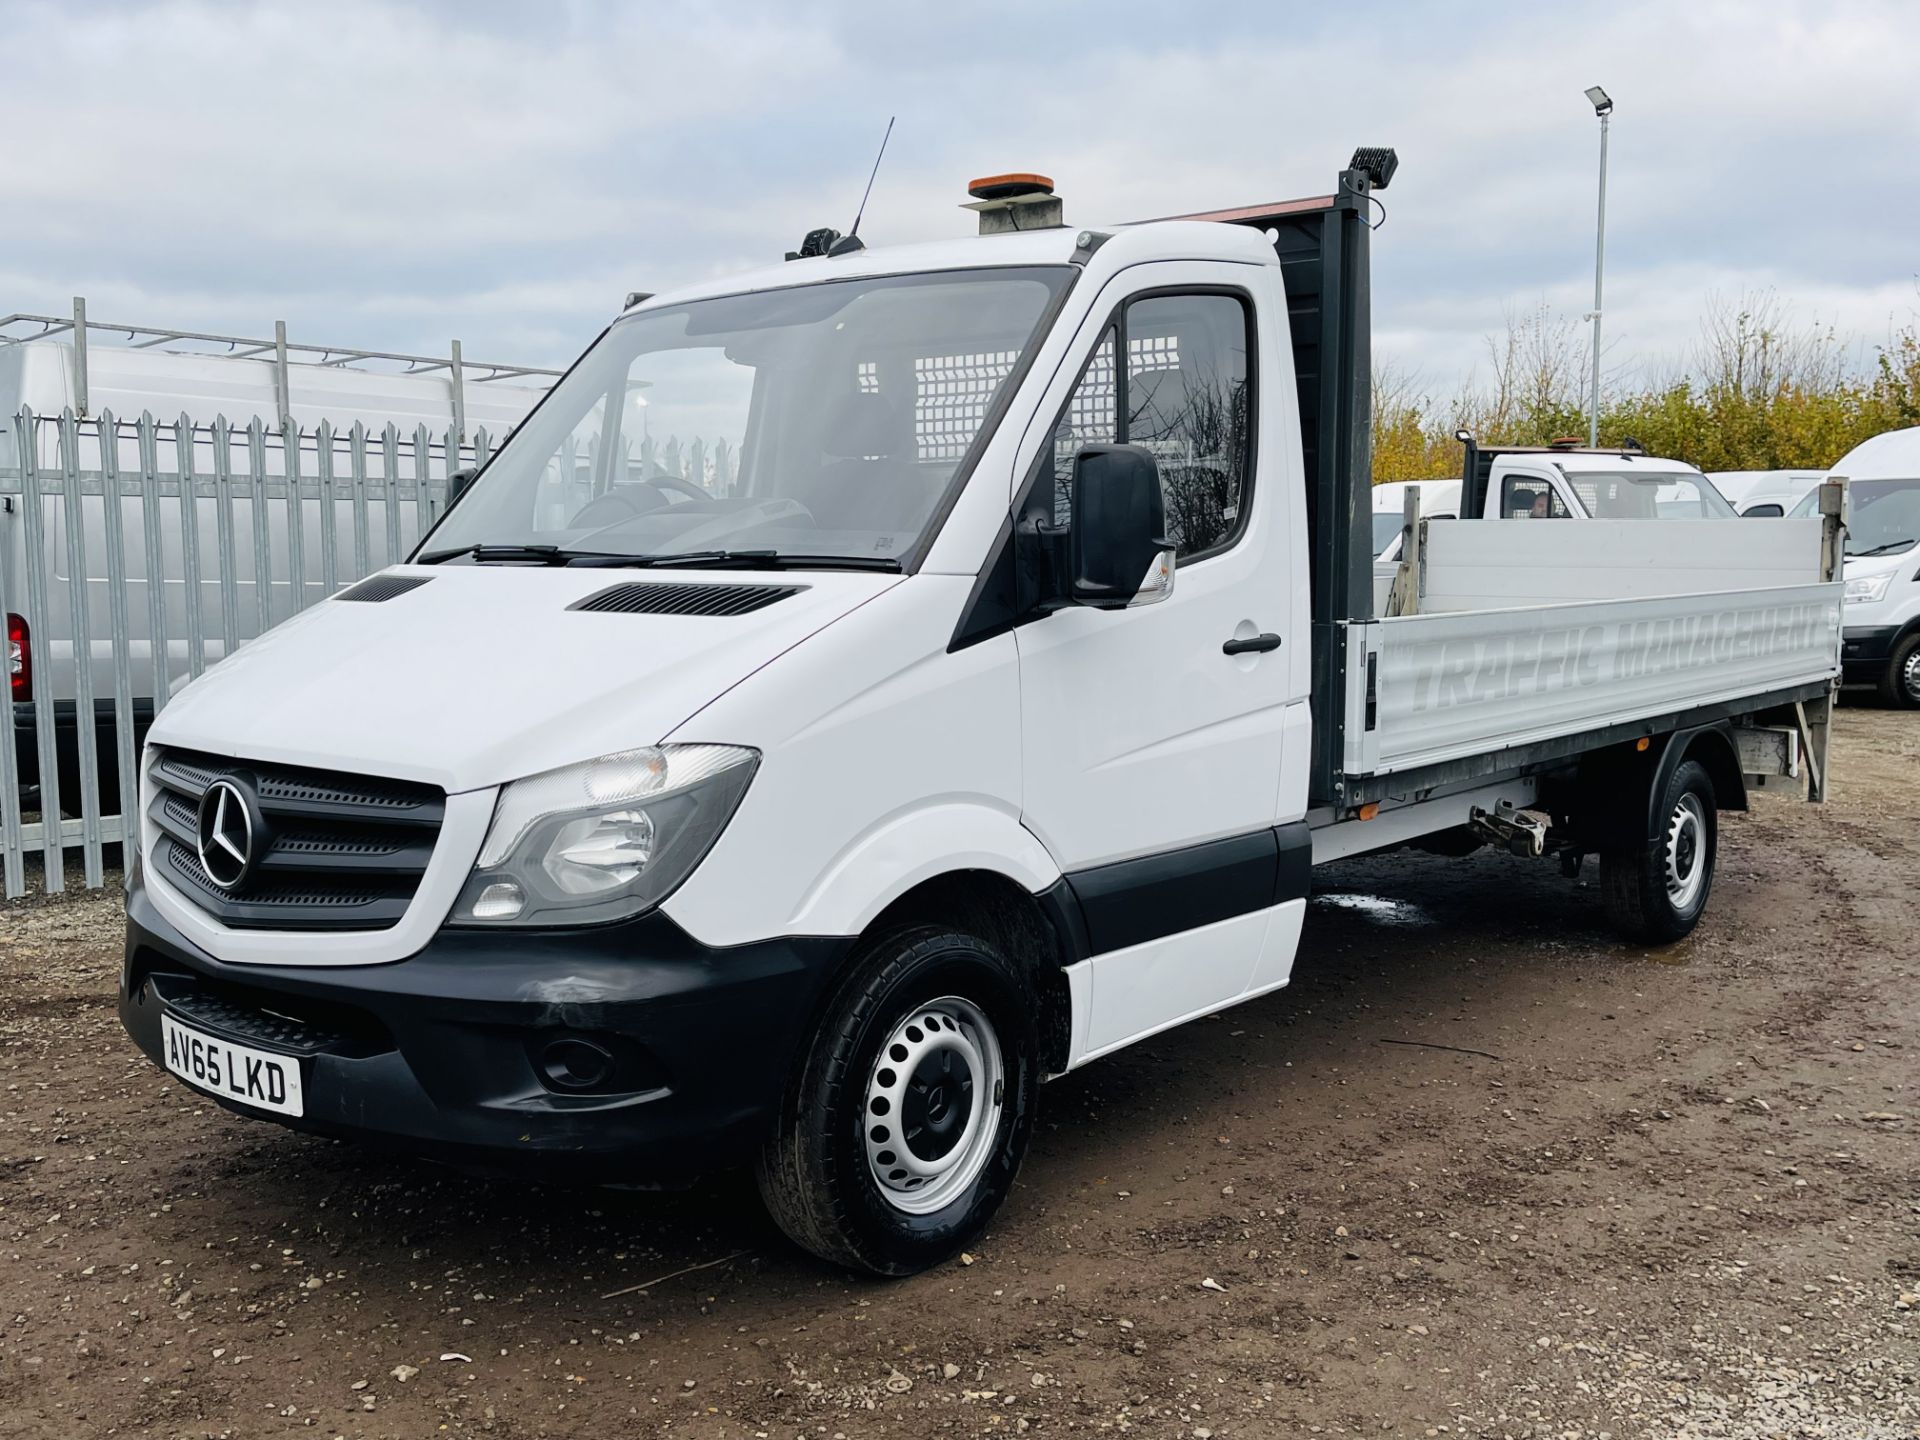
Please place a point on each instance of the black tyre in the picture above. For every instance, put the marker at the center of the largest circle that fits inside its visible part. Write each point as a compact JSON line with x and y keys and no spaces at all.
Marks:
{"x":902,"y":1130}
{"x":1900,"y":684}
{"x":1656,"y":893}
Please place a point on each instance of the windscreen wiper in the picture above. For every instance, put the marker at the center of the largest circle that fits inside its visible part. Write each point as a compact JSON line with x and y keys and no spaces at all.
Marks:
{"x":742,"y":559}
{"x":683,"y":557}
{"x":1887,"y":549}
{"x":501,"y":554}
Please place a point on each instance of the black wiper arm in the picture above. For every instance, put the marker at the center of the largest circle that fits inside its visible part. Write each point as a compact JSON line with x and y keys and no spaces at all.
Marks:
{"x":684,"y":557}
{"x":495,"y":554}
{"x":1887,"y":549}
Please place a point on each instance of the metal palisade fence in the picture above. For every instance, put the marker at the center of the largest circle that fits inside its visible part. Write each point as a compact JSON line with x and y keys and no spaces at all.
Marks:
{"x":134,"y":554}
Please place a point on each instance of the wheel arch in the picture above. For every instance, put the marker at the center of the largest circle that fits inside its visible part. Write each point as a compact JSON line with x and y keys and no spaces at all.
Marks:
{"x":1616,"y":792}
{"x":1713,"y":747}
{"x":1043,"y":932}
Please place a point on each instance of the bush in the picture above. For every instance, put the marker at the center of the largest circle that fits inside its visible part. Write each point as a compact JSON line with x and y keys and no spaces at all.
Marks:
{"x":1760,"y":394}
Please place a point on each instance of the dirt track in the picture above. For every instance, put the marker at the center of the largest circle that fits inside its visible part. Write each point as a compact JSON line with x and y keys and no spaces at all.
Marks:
{"x":1678,"y":1203}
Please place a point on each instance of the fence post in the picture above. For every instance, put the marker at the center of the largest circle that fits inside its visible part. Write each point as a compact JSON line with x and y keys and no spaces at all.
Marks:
{"x":80,"y":354}
{"x":262,"y":540}
{"x":459,"y":396}
{"x":282,"y":377}
{"x":158,"y":648}
{"x":227,"y":559}
{"x":296,"y":516}
{"x":329,"y":529}
{"x":114,"y":536}
{"x":38,"y":611}
{"x":184,"y":440}
{"x":357,"y":458}
{"x":390,"y":468}
{"x":423,"y":511}
{"x":13,"y":862}
{"x":85,"y":718}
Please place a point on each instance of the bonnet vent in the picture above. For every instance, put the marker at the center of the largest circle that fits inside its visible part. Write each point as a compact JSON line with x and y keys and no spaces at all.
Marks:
{"x":376,"y":588}
{"x":654,"y":597}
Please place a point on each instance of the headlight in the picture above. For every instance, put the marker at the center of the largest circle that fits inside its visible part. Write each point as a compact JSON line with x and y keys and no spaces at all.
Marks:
{"x":604,"y":839}
{"x":1868,"y":589}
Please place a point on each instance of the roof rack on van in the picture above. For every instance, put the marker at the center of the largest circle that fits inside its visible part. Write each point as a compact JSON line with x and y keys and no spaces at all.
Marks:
{"x":20,"y":328}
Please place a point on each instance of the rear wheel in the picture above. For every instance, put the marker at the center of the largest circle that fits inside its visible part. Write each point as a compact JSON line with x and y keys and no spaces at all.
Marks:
{"x":903,"y":1129}
{"x":1656,"y":892}
{"x":1900,"y":685}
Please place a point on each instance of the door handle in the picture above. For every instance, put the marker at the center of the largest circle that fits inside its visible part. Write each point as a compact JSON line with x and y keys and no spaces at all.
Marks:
{"x":1252,"y":645}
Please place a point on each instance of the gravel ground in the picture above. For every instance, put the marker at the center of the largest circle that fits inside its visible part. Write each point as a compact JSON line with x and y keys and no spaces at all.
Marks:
{"x":1683,"y":1201}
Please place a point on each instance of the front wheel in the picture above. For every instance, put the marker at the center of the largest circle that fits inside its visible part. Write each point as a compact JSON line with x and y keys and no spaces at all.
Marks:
{"x":1657,"y":891}
{"x":902,"y":1131}
{"x":1900,"y":686}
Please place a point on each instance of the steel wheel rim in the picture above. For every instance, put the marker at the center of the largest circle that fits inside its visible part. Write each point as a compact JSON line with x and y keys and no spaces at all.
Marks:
{"x":932,"y":1111}
{"x":1910,"y":677}
{"x":1686,"y":852}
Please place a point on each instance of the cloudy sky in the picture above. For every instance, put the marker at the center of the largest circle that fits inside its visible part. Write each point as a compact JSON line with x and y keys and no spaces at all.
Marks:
{"x":388,"y":174}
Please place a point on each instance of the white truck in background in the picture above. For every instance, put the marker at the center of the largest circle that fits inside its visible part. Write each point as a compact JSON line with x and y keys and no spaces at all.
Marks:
{"x":995,"y":719}
{"x":1882,"y":638}
{"x":53,"y":365}
{"x":1561,"y":481}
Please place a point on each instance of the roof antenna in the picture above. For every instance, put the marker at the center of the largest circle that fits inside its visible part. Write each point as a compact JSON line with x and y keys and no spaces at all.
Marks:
{"x":853,"y":242}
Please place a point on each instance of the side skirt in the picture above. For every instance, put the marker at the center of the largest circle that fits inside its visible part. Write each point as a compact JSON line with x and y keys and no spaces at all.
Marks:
{"x":1179,"y":934}
{"x":1128,"y":995}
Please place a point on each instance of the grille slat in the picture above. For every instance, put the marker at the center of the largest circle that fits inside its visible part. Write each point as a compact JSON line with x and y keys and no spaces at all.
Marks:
{"x":666,"y":597}
{"x":293,"y":791}
{"x":331,"y":852}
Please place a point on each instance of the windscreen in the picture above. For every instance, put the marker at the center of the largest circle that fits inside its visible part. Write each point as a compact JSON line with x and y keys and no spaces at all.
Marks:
{"x":1883,"y":516}
{"x":1387,"y":525}
{"x":1649,"y":495}
{"x":823,"y":420}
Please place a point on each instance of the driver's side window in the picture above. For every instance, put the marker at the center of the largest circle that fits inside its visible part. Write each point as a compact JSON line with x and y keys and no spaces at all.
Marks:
{"x":1185,"y":396}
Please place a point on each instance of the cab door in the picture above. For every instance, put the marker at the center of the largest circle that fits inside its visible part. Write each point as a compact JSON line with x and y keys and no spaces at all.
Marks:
{"x":1154,"y":737}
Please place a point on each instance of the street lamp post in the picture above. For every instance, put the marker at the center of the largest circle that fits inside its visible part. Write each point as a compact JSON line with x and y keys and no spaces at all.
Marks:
{"x":1603,"y":107}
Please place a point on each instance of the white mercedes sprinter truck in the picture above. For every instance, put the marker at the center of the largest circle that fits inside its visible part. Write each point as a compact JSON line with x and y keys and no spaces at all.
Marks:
{"x":993,"y":719}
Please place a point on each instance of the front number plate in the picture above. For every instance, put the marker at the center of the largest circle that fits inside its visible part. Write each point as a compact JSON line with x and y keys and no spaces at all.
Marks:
{"x":233,"y":1072}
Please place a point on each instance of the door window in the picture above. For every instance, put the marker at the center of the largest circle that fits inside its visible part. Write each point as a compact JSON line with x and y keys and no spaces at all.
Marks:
{"x":1185,"y":395}
{"x":1530,"y":497}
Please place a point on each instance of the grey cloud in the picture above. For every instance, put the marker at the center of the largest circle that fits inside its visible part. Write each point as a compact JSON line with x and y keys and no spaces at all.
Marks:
{"x":393,"y":173}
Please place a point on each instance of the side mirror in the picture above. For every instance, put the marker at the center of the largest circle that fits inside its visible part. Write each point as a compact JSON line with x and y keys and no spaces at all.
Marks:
{"x":1118,"y":553}
{"x":1763,"y":512}
{"x":457,"y":484}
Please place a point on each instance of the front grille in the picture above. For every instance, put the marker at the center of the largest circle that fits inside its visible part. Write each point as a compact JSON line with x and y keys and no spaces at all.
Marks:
{"x":329,"y":851}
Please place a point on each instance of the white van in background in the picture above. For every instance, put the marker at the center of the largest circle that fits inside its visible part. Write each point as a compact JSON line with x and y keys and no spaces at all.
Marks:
{"x":1439,"y":500}
{"x":1881,"y":642}
{"x":54,"y":365}
{"x":1766,"y":493}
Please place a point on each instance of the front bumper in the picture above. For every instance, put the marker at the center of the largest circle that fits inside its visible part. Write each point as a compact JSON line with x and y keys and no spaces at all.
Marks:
{"x":1865,"y":651}
{"x":441,"y":1054}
